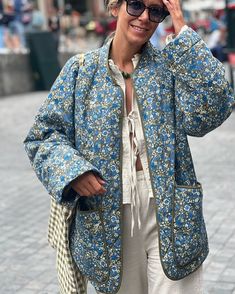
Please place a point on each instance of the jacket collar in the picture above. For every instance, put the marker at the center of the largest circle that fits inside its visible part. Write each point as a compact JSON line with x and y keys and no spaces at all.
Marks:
{"x":147,"y":54}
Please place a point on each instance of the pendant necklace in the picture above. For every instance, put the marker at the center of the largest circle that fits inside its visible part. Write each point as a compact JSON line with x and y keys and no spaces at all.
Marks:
{"x":126,"y":75}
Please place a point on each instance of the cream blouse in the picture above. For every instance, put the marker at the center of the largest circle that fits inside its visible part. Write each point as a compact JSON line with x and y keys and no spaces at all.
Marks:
{"x":132,"y":148}
{"x":136,"y":146}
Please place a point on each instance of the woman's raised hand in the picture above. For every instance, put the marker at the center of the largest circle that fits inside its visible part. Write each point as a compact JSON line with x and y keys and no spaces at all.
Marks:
{"x":88,"y":184}
{"x":176,"y":13}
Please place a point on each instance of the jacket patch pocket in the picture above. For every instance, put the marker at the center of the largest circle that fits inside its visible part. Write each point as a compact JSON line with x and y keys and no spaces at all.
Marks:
{"x":88,"y":246}
{"x":188,"y":224}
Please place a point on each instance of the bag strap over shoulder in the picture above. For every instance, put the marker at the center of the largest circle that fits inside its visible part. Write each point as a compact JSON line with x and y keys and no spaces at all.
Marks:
{"x":81,"y":59}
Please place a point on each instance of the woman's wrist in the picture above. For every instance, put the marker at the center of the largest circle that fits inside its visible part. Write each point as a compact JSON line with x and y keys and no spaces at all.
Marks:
{"x":179,"y":26}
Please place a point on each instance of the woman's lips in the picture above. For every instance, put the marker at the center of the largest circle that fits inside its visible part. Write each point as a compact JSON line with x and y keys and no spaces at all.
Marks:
{"x":139,"y":29}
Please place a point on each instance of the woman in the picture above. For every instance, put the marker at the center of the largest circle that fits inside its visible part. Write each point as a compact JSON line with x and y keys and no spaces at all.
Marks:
{"x":110,"y":142}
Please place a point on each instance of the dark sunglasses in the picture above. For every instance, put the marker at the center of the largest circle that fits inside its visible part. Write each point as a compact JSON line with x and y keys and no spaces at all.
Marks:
{"x":157,"y":13}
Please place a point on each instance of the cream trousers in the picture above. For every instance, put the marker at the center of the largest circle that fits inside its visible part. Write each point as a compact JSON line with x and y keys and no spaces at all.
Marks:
{"x":142,"y":270}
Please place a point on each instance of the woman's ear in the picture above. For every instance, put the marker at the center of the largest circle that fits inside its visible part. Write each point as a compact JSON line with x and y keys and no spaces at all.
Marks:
{"x":114,"y":11}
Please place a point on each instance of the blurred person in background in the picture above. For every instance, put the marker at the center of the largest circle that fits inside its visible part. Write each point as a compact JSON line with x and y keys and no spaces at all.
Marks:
{"x":110,"y":145}
{"x":17,"y":26}
{"x":26,"y":9}
{"x":72,"y":33}
{"x":11,"y":37}
{"x":76,"y":34}
{"x":65,"y":25}
{"x":16,"y":14}
{"x":54,"y":25}
{"x":217,"y":42}
{"x":37,"y":21}
{"x":215,"y":20}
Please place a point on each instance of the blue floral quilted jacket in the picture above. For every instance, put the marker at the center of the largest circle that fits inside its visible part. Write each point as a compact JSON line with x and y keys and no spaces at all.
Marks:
{"x":180,"y":91}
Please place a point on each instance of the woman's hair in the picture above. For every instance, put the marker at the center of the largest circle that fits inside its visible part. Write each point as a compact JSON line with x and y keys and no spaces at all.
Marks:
{"x":111,"y":3}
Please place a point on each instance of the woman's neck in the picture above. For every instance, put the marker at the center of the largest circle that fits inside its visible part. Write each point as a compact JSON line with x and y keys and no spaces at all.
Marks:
{"x":122,"y":54}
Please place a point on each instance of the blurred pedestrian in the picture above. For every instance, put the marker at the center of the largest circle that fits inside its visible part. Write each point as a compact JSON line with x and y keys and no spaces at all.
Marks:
{"x":76,"y":33}
{"x":26,"y":9}
{"x":65,"y":25}
{"x":17,"y":26}
{"x":54,"y":25}
{"x":38,"y":22}
{"x":110,"y":145}
{"x":217,"y":42}
{"x":11,"y":38}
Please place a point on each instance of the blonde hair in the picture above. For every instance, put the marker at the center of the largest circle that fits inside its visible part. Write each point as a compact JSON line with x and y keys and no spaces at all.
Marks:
{"x":109,"y":4}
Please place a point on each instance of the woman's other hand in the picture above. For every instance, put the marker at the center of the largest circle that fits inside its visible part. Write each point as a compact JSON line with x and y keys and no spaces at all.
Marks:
{"x":176,"y":13}
{"x":88,"y":184}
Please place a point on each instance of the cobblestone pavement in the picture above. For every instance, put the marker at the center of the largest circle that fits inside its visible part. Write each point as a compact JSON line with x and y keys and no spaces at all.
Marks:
{"x":27,"y":262}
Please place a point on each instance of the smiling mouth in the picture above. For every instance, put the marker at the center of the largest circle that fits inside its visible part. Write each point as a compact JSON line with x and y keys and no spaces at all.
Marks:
{"x":139,"y":29}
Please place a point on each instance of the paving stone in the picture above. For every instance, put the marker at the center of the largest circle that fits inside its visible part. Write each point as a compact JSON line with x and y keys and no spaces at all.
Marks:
{"x":27,"y":291}
{"x":219,"y":286}
{"x":228,"y":275}
{"x":34,"y":285}
{"x":220,"y":291}
{"x":53,"y":288}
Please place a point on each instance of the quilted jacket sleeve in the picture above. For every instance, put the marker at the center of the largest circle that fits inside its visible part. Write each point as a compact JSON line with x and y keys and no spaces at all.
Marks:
{"x":50,"y":143}
{"x":203,"y":96}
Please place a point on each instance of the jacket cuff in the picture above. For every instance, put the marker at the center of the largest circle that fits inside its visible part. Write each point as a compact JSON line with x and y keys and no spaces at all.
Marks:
{"x":171,"y":37}
{"x":69,"y":194}
{"x":183,"y":42}
{"x":60,"y":188}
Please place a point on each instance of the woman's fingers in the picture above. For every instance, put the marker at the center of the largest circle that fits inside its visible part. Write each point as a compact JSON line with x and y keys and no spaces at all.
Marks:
{"x":83,"y":191}
{"x":176,"y":13}
{"x":102,"y":182}
{"x":88,"y":185}
{"x":97,"y":184}
{"x":173,"y":6}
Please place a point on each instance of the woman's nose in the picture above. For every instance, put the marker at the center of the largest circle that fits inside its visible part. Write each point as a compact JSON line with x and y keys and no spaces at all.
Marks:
{"x":144,"y":16}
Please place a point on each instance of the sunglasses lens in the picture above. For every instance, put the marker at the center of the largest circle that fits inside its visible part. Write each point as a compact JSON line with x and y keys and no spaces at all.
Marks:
{"x":157,"y":14}
{"x":135,"y":8}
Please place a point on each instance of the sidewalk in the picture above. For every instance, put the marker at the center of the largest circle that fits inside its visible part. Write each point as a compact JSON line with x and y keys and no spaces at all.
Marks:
{"x":27,"y":263}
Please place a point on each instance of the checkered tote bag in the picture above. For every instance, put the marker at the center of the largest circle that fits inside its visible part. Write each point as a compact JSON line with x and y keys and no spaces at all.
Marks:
{"x":71,"y":280}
